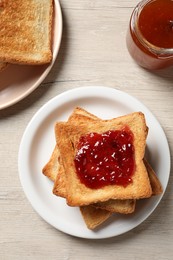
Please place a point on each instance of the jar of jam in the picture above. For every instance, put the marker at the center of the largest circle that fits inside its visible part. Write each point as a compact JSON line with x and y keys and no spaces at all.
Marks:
{"x":150,"y":34}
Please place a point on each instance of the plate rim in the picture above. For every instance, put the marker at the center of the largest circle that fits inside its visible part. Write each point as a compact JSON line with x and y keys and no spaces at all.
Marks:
{"x":48,"y":107}
{"x":48,"y":69}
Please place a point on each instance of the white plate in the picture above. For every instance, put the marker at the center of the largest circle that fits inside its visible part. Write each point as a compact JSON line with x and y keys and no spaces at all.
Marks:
{"x":38,"y":142}
{"x":17,"y":82}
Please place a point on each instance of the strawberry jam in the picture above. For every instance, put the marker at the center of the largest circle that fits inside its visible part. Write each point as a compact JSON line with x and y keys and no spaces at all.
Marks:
{"x":105,"y":159}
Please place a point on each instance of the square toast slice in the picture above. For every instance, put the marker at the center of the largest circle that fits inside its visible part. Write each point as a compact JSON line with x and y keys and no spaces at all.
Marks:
{"x":67,"y":137}
{"x":27,"y":36}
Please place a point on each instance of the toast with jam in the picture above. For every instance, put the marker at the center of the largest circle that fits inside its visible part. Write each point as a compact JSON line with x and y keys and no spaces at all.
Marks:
{"x":68,"y":136}
{"x":55,"y":171}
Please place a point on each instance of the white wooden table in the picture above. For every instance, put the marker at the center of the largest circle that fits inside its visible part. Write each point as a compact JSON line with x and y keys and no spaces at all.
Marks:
{"x":93,"y":52}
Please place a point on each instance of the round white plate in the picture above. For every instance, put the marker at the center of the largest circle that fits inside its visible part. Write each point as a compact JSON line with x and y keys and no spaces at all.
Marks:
{"x":38,"y":142}
{"x":18,"y":81}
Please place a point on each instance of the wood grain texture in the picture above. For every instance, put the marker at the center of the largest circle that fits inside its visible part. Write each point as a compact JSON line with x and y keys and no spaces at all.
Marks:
{"x":93,"y":52}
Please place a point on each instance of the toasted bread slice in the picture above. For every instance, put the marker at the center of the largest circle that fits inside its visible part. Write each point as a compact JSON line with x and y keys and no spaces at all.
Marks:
{"x":26,"y":38}
{"x":111,"y":205}
{"x":94,"y":217}
{"x":67,"y":137}
{"x":54,"y":170}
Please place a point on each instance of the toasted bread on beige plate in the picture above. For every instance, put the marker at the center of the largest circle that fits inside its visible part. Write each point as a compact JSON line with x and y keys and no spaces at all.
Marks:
{"x":26,"y":34}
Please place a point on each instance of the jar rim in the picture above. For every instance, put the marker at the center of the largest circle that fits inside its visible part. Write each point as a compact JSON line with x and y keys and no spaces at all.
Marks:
{"x":159,"y":51}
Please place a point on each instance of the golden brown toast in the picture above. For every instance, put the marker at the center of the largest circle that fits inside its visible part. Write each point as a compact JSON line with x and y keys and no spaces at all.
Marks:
{"x":26,"y":38}
{"x":55,"y":171}
{"x":67,"y":137}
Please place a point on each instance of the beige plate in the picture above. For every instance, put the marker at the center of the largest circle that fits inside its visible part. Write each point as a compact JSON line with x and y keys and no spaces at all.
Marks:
{"x":18,"y":81}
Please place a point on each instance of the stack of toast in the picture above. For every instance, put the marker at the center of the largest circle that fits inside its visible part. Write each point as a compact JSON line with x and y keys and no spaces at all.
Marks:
{"x":97,"y":205}
{"x":25,"y":32}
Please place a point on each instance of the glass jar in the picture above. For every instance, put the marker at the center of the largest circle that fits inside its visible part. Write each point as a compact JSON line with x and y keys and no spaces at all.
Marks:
{"x":150,"y":34}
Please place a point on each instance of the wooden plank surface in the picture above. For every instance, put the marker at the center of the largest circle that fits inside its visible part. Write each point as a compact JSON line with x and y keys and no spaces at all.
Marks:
{"x":93,"y":52}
